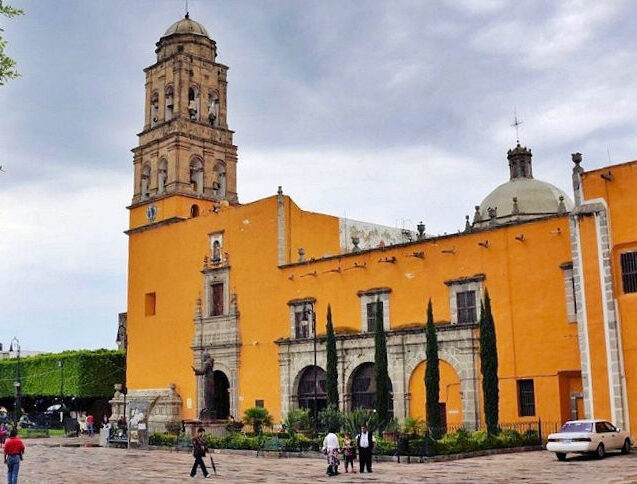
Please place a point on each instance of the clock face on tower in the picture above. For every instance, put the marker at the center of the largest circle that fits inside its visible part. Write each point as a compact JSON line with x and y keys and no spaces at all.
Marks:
{"x":151,"y":213}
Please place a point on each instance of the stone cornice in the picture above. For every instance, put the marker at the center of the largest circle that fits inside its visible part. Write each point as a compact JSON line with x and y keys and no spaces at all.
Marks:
{"x":566,"y":265}
{"x":155,"y":225}
{"x":444,"y":327}
{"x":465,"y":280}
{"x":304,"y":300}
{"x":374,"y":291}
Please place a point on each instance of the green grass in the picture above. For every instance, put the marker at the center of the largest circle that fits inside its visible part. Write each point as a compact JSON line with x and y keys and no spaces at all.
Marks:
{"x":57,"y":433}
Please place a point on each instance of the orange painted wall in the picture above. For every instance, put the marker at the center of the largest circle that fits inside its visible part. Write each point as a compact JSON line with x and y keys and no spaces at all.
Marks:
{"x":524,"y":280}
{"x":449,"y":392}
{"x":168,"y":259}
{"x":619,"y":195}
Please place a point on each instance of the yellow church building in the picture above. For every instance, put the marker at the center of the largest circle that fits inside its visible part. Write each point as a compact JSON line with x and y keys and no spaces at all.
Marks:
{"x":247,"y":284}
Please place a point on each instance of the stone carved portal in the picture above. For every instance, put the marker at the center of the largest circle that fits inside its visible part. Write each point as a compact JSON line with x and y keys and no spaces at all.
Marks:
{"x":217,"y":335}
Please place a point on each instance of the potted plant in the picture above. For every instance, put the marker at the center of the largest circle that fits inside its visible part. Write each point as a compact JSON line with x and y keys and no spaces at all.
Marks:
{"x":391,"y":430}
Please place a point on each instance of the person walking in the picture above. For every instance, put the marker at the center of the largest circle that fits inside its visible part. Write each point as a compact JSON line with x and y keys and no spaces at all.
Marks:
{"x":13,"y":451}
{"x":199,"y":449}
{"x":90,"y":423}
{"x":349,"y":452}
{"x":331,"y":448}
{"x":365,"y":443}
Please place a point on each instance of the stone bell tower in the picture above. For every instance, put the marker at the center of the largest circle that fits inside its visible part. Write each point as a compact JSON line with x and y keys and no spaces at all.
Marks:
{"x":186,"y":148}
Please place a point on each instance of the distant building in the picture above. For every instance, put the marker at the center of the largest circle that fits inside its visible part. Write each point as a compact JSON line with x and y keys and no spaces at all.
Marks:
{"x":244,"y":283}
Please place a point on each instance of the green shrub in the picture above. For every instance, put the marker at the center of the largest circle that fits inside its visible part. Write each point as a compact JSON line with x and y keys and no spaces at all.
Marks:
{"x":297,"y":421}
{"x":356,"y":418}
{"x":162,"y":439}
{"x":385,"y":447}
{"x":258,"y":418}
{"x":173,"y":428}
{"x":509,"y":438}
{"x":234,"y":426}
{"x":413,"y":426}
{"x":85,"y":373}
{"x":331,"y":418}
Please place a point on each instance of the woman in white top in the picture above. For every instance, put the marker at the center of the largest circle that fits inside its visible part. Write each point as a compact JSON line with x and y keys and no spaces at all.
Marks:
{"x":331,"y":448}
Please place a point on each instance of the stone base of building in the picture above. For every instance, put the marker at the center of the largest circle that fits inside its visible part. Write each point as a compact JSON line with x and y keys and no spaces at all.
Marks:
{"x":158,"y":408}
{"x":212,"y":427}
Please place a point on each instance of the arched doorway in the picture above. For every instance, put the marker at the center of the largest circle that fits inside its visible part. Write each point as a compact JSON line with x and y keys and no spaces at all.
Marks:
{"x":450,"y":399}
{"x":311,"y":391}
{"x":363,"y":388}
{"x":222,"y":395}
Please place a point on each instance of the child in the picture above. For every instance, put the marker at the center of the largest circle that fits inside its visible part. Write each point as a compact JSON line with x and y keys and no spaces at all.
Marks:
{"x":349,"y":452}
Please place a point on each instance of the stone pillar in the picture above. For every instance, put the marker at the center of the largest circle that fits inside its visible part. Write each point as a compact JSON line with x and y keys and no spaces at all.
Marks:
{"x":469,"y":391}
{"x":396,"y":360}
{"x":285,"y":381}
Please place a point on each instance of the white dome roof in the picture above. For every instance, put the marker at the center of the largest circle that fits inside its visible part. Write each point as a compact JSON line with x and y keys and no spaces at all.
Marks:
{"x":186,"y":26}
{"x":534,"y":198}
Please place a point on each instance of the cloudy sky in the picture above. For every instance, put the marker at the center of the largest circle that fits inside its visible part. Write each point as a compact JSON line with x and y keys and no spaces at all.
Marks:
{"x":389,"y":112}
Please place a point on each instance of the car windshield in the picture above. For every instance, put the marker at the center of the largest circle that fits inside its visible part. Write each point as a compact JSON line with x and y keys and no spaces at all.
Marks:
{"x":577,"y":427}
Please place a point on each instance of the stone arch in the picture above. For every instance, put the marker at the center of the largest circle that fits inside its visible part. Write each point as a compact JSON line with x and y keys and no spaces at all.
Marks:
{"x":361,"y":387}
{"x":304,"y":388}
{"x":213,"y":108}
{"x":154,"y":108}
{"x":144,"y":187}
{"x":194,"y":102}
{"x":196,"y":175}
{"x":450,"y":393}
{"x":222,"y":394}
{"x":162,"y":175}
{"x":170,"y":102}
{"x":220,"y":184}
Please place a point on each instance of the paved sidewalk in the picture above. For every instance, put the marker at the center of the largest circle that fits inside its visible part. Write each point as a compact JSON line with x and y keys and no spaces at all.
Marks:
{"x":45,"y":463}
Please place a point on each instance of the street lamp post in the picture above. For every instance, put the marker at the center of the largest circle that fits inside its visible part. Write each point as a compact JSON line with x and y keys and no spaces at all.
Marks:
{"x":18,"y":381}
{"x":310,"y":317}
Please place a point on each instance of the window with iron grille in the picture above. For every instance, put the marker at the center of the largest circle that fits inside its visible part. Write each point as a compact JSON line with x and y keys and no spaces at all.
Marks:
{"x":526,"y":398}
{"x":629,"y":271}
{"x":303,"y":314}
{"x":466,"y":306}
{"x":371,"y":315}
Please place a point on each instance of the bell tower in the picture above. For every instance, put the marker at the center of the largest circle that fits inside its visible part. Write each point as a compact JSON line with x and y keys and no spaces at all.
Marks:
{"x":185,"y":149}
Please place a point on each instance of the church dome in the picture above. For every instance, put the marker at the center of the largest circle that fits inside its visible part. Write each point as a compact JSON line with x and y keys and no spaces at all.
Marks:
{"x":533,"y":197}
{"x":522,"y":197}
{"x":186,"y":26}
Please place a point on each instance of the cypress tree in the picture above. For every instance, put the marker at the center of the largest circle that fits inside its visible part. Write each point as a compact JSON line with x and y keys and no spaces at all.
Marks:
{"x":331,"y":378}
{"x":380,"y":369}
{"x":432,"y":374}
{"x":489,"y":365}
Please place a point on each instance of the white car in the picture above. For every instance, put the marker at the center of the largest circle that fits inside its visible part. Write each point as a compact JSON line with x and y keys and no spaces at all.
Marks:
{"x":588,"y":436}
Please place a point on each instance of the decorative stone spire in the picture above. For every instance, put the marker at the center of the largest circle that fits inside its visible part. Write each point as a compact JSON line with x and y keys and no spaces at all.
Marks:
{"x":520,"y":162}
{"x":476,"y":216}
{"x":561,"y":207}
{"x":467,"y":224}
{"x":516,"y":207}
{"x":577,"y":172}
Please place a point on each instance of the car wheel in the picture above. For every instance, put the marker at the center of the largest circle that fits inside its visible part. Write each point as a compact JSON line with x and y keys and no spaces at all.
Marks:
{"x":600,"y":452}
{"x":561,"y":456}
{"x":626,"y":447}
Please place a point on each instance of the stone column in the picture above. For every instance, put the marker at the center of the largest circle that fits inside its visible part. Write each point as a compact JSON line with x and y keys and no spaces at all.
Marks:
{"x":396,"y":357}
{"x":285,"y":380}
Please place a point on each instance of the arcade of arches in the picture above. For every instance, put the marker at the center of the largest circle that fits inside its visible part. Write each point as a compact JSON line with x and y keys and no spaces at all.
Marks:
{"x":450,"y":400}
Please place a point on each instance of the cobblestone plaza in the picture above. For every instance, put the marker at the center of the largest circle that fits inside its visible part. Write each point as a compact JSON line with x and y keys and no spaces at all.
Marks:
{"x":47,"y":463}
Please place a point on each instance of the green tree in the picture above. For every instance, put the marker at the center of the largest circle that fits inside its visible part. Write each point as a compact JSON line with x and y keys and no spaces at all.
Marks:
{"x":489,"y":365}
{"x":380,"y":369}
{"x":432,"y":373}
{"x":258,"y":417}
{"x":7,"y":64}
{"x":331,"y":378}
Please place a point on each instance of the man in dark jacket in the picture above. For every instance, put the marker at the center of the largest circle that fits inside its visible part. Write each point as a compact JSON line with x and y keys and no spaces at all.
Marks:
{"x":199,"y":450}
{"x":365,"y":444}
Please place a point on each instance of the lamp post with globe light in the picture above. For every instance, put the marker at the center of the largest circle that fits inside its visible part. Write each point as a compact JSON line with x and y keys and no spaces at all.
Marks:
{"x":17,"y":383}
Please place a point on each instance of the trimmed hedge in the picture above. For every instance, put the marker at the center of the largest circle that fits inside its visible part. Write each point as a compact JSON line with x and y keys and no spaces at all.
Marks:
{"x":452,"y":443}
{"x":86,"y":373}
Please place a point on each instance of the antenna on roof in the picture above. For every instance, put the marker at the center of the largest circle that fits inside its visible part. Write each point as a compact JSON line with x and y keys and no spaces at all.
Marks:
{"x":516,"y":124}
{"x":186,"y":6}
{"x":607,"y":152}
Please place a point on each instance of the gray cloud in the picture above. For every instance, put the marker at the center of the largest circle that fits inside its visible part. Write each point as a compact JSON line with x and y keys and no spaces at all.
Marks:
{"x":389,"y":112}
